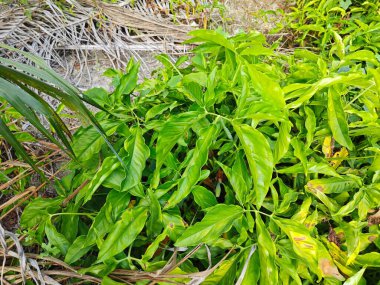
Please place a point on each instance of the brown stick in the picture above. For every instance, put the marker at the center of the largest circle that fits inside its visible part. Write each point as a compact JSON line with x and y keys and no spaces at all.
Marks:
{"x":72,"y":195}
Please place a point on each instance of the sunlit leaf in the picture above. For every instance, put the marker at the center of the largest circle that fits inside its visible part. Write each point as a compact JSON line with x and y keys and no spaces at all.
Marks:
{"x":337,"y":120}
{"x":260,"y":159}
{"x":211,"y":226}
{"x":267,"y":254}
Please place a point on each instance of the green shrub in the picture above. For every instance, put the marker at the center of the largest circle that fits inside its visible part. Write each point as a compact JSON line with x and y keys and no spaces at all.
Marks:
{"x":272,"y":158}
{"x":329,"y":24}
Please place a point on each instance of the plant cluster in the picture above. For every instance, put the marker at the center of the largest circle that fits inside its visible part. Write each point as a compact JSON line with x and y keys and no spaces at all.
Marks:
{"x":329,"y":25}
{"x":270,"y":162}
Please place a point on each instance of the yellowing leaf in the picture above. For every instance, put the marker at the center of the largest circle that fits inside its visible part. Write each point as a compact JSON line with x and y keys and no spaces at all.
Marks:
{"x":339,"y":157}
{"x":333,"y":184}
{"x":303,"y":244}
{"x":328,"y":146}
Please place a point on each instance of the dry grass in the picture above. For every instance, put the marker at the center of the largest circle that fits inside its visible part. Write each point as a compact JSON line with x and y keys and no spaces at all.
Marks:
{"x":49,"y":270}
{"x":248,"y":14}
{"x":87,"y":34}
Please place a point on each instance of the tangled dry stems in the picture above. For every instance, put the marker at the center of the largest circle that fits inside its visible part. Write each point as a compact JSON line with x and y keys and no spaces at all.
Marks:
{"x":17,"y":267}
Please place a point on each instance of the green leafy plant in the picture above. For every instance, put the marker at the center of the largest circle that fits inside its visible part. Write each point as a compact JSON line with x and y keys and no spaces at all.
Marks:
{"x":329,"y":25}
{"x":270,"y":161}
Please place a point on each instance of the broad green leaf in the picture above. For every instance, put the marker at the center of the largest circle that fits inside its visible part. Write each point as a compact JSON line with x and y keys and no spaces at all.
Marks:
{"x":363,"y":55}
{"x":127,"y":82}
{"x":154,"y":224}
{"x":77,"y":249}
{"x":283,"y":141}
{"x":261,"y":111}
{"x":317,"y":28}
{"x":355,"y":279}
{"x":337,"y":119}
{"x":269,"y":89}
{"x":116,"y":203}
{"x":86,"y":143}
{"x":312,"y":167}
{"x":331,"y":204}
{"x":300,"y":153}
{"x":267,"y":254}
{"x":211,"y":36}
{"x":352,"y":233}
{"x":174,"y":225}
{"x":69,"y":224}
{"x":124,"y":232}
{"x":158,"y":110}
{"x":252,"y":273}
{"x":238,"y":177}
{"x":192,"y":172}
{"x":345,"y":4}
{"x":323,"y":83}
{"x":350,"y":206}
{"x":245,"y":92}
{"x":154,"y":246}
{"x":257,"y":50}
{"x":109,"y":165}
{"x":99,"y":96}
{"x":194,"y":92}
{"x":303,"y":211}
{"x":138,"y":154}
{"x":39,"y":210}
{"x":203,"y":197}
{"x":371,"y":259}
{"x":287,"y":201}
{"x":288,"y":267}
{"x":174,"y":128}
{"x":197,"y":77}
{"x":225,"y":274}
{"x":310,"y":125}
{"x":260,"y":159}
{"x":333,"y":184}
{"x":339,"y":45}
{"x":212,"y":226}
{"x":55,"y":238}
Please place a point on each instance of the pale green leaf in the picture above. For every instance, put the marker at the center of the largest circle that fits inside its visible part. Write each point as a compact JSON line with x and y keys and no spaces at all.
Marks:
{"x":211,"y":226}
